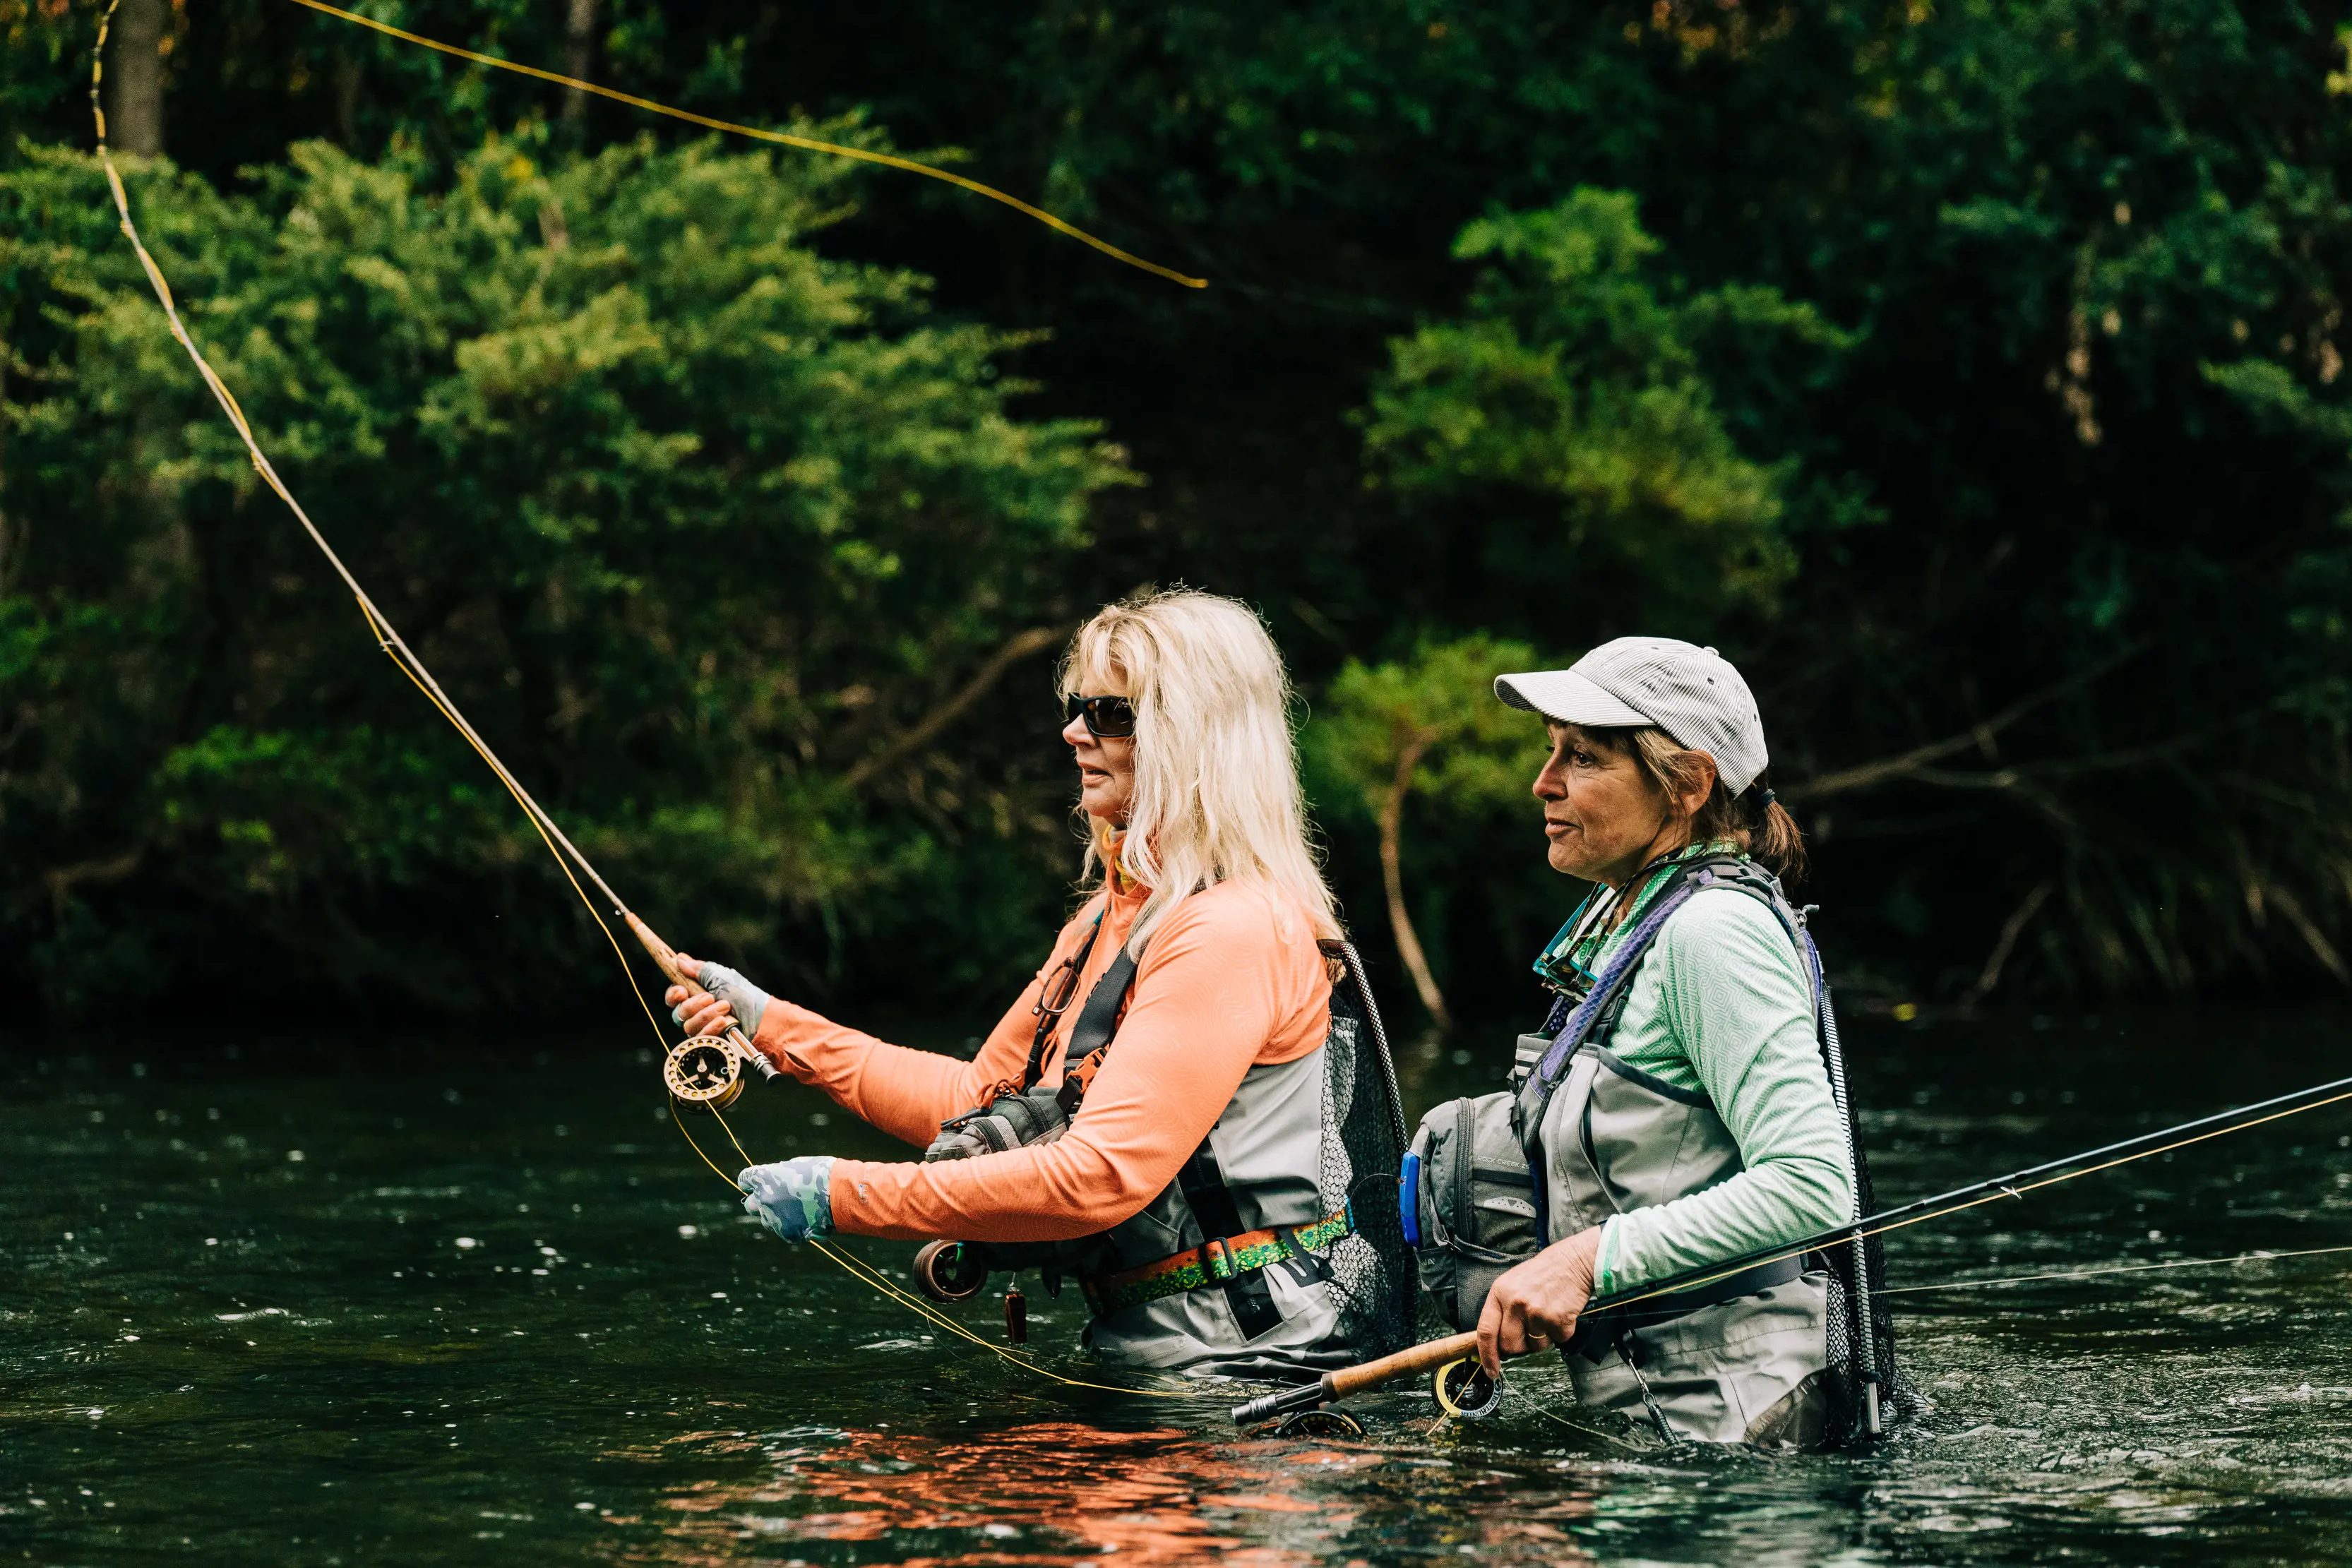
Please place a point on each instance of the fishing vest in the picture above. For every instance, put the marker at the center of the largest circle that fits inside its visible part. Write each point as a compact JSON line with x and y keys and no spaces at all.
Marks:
{"x":1601,"y":1137}
{"x":1582,"y":1134}
{"x":1257,"y":1260}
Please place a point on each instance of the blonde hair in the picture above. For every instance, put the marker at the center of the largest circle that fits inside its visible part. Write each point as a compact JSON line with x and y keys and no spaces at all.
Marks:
{"x":1216,"y":781}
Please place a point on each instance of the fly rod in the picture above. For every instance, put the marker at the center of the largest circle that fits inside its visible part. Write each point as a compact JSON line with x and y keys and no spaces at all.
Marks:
{"x":707,"y":1070}
{"x":1442,"y":1353}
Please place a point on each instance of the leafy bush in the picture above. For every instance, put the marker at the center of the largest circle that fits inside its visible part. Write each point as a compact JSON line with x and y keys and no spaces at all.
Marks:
{"x":696,"y":524}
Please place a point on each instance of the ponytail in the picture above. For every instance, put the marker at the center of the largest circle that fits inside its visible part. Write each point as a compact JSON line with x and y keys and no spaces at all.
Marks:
{"x":1754,"y":821}
{"x":1768,"y":833}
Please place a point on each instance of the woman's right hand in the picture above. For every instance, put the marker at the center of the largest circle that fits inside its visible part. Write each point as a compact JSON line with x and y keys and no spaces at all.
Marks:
{"x":1535,"y":1305}
{"x":722,"y":999}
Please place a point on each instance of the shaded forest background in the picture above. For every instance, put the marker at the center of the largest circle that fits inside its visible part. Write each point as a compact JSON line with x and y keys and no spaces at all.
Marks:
{"x":1967,"y":371}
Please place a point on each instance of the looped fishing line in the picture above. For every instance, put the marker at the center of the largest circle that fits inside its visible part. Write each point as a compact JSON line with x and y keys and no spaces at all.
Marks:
{"x":561,"y":846}
{"x":557,"y":843}
{"x":807,"y":144}
{"x":874,"y":1279}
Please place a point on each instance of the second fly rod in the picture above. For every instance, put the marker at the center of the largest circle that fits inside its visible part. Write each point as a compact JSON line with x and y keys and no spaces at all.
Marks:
{"x":1441,"y":1355}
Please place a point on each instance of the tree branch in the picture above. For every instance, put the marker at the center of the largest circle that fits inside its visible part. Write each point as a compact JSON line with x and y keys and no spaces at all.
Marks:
{"x":1408,"y":941}
{"x":2011,"y":930}
{"x":910,"y":741}
{"x":1918,"y":759}
{"x":62,"y":881}
{"x":2321,"y":947}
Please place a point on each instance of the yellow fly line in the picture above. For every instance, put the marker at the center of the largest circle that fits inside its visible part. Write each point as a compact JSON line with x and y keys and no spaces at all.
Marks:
{"x":875,"y":1279}
{"x":557,"y":843}
{"x":806,"y":144}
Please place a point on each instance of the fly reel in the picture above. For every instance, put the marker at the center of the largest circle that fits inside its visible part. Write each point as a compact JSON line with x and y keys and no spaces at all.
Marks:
{"x":1320,"y":1424}
{"x":1464,"y":1391}
{"x":946,"y":1271}
{"x":707,"y":1070}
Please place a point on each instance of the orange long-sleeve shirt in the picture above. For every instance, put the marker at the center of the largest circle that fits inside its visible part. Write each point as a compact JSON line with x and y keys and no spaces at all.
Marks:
{"x":1230,"y":979}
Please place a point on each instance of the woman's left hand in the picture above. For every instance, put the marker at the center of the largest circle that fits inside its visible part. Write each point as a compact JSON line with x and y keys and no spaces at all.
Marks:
{"x":1535,"y":1306}
{"x":792,"y":1197}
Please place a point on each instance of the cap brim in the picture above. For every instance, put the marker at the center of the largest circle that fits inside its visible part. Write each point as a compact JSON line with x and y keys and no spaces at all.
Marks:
{"x":1569,"y":698}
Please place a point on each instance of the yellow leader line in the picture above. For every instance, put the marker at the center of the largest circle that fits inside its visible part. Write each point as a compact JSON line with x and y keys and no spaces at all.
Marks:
{"x":806,"y":144}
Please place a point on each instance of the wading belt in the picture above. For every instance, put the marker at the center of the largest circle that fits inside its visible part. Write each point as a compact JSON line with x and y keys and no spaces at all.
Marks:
{"x":1597,"y":1334}
{"x":1228,"y":1261}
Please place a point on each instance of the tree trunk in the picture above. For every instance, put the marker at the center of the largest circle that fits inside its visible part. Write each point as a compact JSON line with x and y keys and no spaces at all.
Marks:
{"x":579,"y":57}
{"x":135,"y":109}
{"x":1393,"y":875}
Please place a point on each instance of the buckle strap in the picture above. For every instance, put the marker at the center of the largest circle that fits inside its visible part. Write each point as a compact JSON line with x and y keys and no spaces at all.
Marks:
{"x":1213,"y":1262}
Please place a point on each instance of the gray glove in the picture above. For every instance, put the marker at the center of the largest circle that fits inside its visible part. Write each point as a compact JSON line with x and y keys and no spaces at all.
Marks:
{"x":749,"y":1002}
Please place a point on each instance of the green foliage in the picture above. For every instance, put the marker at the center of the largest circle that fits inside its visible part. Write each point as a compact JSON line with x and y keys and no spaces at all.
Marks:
{"x":2037,"y":556}
{"x":1471,"y":753}
{"x":693,"y":522}
{"x":1414,"y":760}
{"x":1573,"y":381}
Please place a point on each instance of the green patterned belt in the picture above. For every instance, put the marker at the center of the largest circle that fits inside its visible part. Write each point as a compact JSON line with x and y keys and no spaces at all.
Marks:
{"x":1212,"y":1263}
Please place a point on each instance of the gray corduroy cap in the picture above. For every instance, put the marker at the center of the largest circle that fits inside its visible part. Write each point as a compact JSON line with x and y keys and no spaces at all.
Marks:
{"x":1691,"y":692}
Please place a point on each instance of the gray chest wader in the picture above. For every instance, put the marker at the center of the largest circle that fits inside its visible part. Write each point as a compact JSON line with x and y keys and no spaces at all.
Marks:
{"x":1258,"y":1260}
{"x":1796,"y":1351}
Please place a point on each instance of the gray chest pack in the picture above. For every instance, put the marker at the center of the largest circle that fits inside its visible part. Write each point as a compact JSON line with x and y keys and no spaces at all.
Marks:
{"x":1277,"y":1249}
{"x":1490,"y":1180}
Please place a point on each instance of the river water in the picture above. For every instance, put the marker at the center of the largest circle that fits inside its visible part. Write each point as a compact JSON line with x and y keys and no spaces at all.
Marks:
{"x":444,"y":1302}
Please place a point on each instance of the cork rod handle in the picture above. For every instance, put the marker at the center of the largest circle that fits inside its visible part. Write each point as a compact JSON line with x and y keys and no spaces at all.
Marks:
{"x":1405,"y":1364}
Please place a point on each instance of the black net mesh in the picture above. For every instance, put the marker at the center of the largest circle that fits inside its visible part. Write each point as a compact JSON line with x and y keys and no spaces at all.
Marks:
{"x":1362,"y":1150}
{"x":1861,"y":1353}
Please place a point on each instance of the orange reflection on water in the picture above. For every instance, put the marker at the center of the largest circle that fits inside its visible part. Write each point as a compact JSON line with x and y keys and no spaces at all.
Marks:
{"x":1055,"y":1492}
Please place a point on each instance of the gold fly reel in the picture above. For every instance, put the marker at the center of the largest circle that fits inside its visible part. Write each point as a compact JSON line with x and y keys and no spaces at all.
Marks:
{"x":707,"y":1070}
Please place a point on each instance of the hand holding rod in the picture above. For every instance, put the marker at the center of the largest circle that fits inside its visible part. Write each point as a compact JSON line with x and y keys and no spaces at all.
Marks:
{"x":559,"y":843}
{"x":665,"y":956}
{"x":1437,"y":1353}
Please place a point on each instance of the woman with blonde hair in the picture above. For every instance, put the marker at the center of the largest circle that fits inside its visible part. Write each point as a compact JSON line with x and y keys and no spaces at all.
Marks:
{"x":1157,"y":1115}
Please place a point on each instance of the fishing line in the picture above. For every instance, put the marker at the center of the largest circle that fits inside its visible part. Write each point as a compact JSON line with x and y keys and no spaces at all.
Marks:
{"x":2118,"y":1269}
{"x":623,"y":958}
{"x":860,"y":1269}
{"x":559,"y":844}
{"x":806,"y":144}
{"x":873,"y":1279}
{"x":1681,"y":1282}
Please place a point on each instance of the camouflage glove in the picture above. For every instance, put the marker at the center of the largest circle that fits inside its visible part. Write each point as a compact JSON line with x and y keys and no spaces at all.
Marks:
{"x":792,"y":1197}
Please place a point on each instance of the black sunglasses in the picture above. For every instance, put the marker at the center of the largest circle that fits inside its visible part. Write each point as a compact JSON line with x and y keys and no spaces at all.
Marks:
{"x":1106,"y":717}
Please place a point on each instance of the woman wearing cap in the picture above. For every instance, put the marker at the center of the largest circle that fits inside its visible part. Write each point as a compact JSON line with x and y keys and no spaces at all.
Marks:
{"x":1680,"y":1114}
{"x":1157,"y":1088}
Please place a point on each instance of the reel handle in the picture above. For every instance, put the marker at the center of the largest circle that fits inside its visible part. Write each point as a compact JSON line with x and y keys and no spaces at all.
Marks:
{"x":753,"y":1054}
{"x":664,"y":957}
